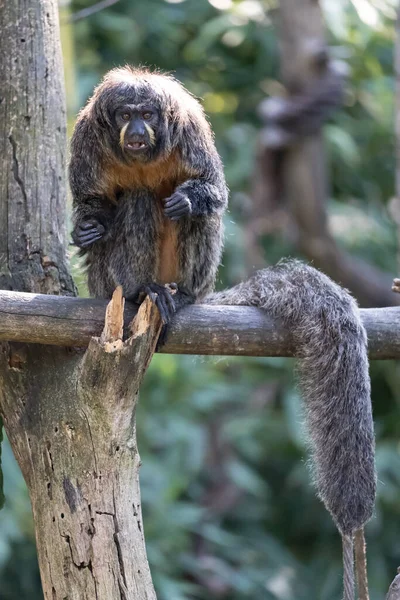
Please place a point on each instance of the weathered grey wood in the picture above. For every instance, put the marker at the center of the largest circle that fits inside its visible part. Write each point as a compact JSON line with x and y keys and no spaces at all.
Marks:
{"x":200,"y":329}
{"x":80,"y":460}
{"x":394,"y":590}
{"x":32,"y":150}
{"x":69,"y":414}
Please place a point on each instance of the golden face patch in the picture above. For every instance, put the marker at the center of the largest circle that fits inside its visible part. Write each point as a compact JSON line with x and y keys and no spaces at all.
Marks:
{"x":122,"y":135}
{"x":152,"y":136}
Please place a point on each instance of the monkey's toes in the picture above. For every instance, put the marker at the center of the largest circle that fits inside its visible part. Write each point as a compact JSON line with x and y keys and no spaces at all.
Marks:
{"x":160,"y":295}
{"x":165,"y":305}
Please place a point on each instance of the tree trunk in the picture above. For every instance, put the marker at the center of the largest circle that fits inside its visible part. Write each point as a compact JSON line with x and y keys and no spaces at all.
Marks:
{"x":69,"y":415}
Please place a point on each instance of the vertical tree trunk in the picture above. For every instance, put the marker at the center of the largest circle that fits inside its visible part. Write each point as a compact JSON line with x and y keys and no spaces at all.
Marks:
{"x":69,"y":415}
{"x":302,"y":41}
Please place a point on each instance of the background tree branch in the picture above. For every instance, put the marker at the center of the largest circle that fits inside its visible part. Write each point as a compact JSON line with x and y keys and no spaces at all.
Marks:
{"x":291,"y":163}
{"x":90,"y":10}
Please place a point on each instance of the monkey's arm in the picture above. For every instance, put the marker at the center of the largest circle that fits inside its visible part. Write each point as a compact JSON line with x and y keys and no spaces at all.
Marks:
{"x":206,"y":192}
{"x":196,"y":197}
{"x":92,"y":211}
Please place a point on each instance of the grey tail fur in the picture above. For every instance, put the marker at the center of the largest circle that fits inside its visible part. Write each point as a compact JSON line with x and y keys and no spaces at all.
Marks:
{"x":333,"y":378}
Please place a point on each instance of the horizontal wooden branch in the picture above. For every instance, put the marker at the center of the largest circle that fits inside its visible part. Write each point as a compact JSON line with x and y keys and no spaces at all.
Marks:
{"x":200,"y":329}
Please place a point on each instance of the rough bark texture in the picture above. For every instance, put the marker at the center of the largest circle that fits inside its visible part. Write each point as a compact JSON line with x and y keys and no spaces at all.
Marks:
{"x":199,"y":329}
{"x":71,"y":424}
{"x":394,"y":590}
{"x":33,"y":150}
{"x":69,"y":415}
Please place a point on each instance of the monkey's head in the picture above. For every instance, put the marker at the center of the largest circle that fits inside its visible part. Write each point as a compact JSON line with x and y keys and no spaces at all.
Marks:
{"x":140,"y":115}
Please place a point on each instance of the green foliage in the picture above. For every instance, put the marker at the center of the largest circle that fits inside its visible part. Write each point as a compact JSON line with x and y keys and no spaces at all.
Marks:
{"x":229,"y":509}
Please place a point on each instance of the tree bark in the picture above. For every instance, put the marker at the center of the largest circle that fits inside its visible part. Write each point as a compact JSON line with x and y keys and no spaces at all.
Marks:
{"x":69,"y":414}
{"x":198,"y":329}
{"x":33,"y":153}
{"x":394,"y":590}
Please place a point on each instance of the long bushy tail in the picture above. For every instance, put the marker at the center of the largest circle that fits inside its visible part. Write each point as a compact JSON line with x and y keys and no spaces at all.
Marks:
{"x":334,"y":379}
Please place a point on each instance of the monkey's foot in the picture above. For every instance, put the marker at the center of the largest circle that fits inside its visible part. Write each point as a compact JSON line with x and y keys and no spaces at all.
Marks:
{"x":87,"y":232}
{"x":160,"y":295}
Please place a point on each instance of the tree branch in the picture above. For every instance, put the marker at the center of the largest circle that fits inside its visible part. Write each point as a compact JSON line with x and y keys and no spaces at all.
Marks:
{"x":90,"y":10}
{"x":199,"y":329}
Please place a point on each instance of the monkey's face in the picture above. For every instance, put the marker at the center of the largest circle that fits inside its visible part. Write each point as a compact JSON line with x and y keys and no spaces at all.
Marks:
{"x":137,"y":128}
{"x":137,"y":115}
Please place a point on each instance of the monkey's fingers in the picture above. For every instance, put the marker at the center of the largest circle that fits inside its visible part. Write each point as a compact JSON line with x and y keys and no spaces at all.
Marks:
{"x":175,"y":199}
{"x":159,"y":295}
{"x":176,"y":212}
{"x":159,"y":300}
{"x":86,"y":244}
{"x":147,"y":291}
{"x":170,"y":302}
{"x":87,"y":232}
{"x":181,"y":201}
{"x":177,"y":206}
{"x":164,"y":303}
{"x":91,"y":224}
{"x":163,"y":308}
{"x":83,"y":243}
{"x":88,"y":238}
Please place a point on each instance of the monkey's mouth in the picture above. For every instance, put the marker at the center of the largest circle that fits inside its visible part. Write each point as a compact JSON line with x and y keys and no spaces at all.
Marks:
{"x":135,"y":146}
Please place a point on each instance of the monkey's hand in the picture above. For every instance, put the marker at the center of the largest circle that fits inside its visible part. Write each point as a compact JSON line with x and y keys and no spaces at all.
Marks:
{"x":160,"y":295}
{"x":176,"y":206}
{"x":88,"y":231}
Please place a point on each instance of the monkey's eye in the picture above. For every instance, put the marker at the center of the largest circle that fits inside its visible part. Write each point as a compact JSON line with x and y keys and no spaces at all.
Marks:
{"x":147,"y":115}
{"x":125,"y":116}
